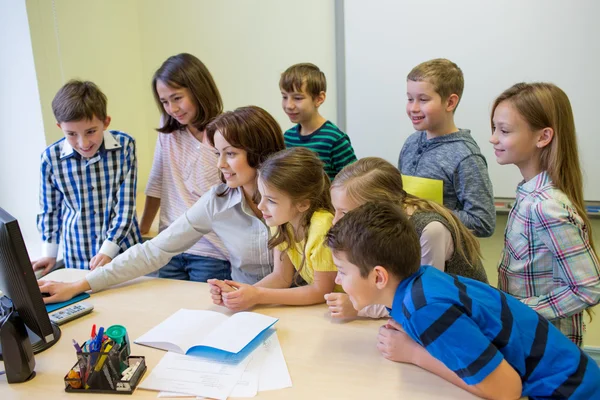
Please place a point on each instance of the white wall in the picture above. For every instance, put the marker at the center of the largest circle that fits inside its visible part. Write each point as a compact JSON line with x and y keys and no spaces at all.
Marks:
{"x":245,"y":44}
{"x":496,"y":44}
{"x":21,"y":130}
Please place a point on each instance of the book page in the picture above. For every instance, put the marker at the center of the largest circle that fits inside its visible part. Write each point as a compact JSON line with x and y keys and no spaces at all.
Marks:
{"x":239,"y":330}
{"x":182,"y":330}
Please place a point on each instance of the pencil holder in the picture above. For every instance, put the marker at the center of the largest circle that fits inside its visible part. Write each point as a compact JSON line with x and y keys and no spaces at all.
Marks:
{"x":102,"y":371}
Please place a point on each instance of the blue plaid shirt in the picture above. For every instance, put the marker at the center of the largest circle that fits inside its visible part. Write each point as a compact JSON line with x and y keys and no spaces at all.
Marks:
{"x":88,"y":204}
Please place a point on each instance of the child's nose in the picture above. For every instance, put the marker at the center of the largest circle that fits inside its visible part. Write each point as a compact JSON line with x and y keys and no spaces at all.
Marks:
{"x":493,"y":138}
{"x":337,"y":280}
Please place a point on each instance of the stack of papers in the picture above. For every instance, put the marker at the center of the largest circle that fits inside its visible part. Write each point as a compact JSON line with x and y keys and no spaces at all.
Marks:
{"x":212,"y":355}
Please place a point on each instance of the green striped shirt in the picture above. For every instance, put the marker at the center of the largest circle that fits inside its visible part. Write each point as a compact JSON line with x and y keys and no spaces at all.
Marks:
{"x":329,"y":142}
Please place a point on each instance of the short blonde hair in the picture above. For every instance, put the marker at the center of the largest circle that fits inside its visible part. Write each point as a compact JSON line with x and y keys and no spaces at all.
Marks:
{"x":443,"y":74}
{"x":297,"y":75}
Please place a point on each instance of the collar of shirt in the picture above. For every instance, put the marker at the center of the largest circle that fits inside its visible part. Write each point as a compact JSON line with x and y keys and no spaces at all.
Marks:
{"x":534,"y":184}
{"x":403,"y":287}
{"x":108,"y":143}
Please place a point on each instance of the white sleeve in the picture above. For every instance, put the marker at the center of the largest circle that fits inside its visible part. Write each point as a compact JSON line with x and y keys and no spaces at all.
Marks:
{"x":151,"y":255}
{"x":374,"y":311}
{"x":437,"y":245}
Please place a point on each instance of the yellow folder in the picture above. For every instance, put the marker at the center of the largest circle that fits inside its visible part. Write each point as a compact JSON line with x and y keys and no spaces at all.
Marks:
{"x":425,"y":188}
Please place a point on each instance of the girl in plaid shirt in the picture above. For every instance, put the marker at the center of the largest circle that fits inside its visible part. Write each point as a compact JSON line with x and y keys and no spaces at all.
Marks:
{"x":548,"y":261}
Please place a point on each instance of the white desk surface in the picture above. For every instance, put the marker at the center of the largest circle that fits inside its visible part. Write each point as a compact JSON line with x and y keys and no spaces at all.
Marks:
{"x":326,"y":359}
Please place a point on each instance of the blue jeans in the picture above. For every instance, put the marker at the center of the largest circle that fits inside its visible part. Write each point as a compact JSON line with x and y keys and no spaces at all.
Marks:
{"x":190,"y":267}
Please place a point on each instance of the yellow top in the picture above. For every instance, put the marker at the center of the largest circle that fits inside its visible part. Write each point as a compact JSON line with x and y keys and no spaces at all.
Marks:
{"x":318,"y":255}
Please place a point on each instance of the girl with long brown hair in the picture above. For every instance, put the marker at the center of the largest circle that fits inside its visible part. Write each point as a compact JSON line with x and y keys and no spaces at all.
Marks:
{"x":549,"y":261}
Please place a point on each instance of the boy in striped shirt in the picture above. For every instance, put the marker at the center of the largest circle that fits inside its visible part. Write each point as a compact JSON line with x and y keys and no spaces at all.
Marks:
{"x":88,"y":184}
{"x":464,"y":331}
{"x":303,"y":88}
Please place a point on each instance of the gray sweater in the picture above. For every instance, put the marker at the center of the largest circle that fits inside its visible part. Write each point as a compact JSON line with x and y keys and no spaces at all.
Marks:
{"x":456,"y":160}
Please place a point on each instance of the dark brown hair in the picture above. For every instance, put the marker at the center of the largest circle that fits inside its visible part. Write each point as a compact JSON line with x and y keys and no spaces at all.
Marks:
{"x":79,"y":100}
{"x":377,"y":234}
{"x":251,"y":129}
{"x":186,"y":71}
{"x":295,"y":76}
{"x":299,"y":173}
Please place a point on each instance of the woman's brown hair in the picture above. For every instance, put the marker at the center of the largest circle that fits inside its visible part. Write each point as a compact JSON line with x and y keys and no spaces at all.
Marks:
{"x":251,"y":129}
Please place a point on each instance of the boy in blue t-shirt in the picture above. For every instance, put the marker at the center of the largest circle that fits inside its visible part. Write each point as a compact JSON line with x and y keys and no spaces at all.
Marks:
{"x":303,"y":88}
{"x":465,"y":331}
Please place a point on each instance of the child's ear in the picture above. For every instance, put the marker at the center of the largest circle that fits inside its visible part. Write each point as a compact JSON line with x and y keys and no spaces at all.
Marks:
{"x":545,"y":138}
{"x":381,"y":277}
{"x":303,"y":205}
{"x":452,"y":102}
{"x":320,"y":99}
{"x":106,"y":122}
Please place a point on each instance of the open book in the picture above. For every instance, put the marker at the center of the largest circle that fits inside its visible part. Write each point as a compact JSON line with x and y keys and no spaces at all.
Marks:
{"x":190,"y":330}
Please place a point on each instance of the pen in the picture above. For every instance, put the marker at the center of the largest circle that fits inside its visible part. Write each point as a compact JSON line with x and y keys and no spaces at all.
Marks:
{"x":77,"y":347}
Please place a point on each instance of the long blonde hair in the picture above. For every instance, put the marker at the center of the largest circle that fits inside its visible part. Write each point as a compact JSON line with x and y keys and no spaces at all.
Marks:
{"x":374,"y":179}
{"x":544,"y":105}
{"x":298,"y":172}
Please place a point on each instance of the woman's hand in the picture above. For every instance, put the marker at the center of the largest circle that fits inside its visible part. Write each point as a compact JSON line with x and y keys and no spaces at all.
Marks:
{"x":61,"y":291}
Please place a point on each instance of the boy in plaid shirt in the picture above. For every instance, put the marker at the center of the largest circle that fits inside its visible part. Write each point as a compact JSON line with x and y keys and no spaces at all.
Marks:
{"x":88,"y":184}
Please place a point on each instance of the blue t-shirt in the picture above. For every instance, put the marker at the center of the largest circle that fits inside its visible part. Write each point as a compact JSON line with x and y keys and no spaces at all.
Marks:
{"x":471,"y":326}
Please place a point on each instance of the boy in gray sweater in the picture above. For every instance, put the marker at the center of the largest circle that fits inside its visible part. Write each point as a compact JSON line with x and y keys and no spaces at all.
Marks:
{"x":439,"y":150}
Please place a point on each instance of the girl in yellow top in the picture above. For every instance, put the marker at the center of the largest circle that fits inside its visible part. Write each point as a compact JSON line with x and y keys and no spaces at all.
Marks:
{"x":295,"y":202}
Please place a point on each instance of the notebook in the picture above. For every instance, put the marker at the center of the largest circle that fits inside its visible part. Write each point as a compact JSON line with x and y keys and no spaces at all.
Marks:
{"x":202,"y":331}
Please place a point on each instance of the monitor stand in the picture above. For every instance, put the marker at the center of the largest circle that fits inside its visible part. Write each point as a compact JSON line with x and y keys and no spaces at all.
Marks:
{"x":37,"y":343}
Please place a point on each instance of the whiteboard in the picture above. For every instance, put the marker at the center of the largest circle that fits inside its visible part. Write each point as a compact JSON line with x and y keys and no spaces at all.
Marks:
{"x":495,"y":43}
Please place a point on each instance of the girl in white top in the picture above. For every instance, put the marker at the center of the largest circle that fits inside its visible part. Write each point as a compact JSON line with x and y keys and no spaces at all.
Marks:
{"x":296,"y":204}
{"x":446,"y":243}
{"x":184,"y":166}
{"x":243,"y":139}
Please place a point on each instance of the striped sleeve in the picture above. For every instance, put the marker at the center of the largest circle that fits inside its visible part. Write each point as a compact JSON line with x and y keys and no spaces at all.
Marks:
{"x":578,"y":269}
{"x":438,"y":327}
{"x":124,"y":210}
{"x":342,"y":153}
{"x":50,"y":214}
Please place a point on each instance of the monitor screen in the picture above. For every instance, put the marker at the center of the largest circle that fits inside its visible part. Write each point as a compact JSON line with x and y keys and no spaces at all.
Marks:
{"x":18,"y":282}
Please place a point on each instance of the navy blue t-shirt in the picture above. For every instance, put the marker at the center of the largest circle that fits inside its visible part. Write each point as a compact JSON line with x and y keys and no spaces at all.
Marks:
{"x":471,"y":327}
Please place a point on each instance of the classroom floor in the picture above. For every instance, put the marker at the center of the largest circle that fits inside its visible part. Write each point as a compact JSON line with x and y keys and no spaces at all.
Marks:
{"x":492,"y":247}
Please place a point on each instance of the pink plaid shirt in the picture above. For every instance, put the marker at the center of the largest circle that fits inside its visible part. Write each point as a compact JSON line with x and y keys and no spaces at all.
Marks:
{"x":547,"y":261}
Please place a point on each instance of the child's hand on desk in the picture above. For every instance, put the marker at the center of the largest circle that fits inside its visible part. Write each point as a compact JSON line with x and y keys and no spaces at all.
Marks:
{"x":395,"y":345}
{"x":242,"y":296}
{"x":45,"y":263}
{"x":340,"y":305}
{"x":217,"y":287}
{"x":99,"y":260}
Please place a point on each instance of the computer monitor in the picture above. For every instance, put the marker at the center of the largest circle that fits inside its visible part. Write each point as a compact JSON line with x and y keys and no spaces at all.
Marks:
{"x":18,"y":282}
